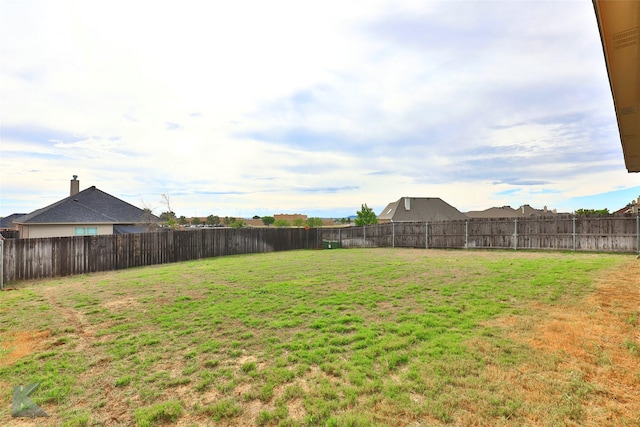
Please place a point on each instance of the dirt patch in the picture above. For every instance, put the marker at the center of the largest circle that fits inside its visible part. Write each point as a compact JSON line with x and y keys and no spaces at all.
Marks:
{"x":597,"y":340}
{"x":296,"y":410}
{"x":602,"y":339}
{"x":121,"y":304}
{"x":20,"y":344}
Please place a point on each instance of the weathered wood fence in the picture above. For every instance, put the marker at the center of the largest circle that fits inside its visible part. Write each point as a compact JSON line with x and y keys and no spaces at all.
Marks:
{"x":597,"y":234}
{"x":24,"y":259}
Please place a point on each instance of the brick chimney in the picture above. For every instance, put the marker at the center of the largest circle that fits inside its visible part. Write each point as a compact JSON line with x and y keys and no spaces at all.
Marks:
{"x":75,"y":186}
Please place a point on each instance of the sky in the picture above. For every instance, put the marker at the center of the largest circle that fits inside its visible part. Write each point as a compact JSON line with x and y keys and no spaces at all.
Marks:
{"x":242,"y":108}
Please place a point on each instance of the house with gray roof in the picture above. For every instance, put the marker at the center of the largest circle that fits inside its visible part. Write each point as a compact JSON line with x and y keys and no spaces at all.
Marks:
{"x":528,"y":211}
{"x":87,"y":212}
{"x":8,"y":229}
{"x":523,"y":211}
{"x":7,"y":223}
{"x":495,"y":212}
{"x":419,"y":209}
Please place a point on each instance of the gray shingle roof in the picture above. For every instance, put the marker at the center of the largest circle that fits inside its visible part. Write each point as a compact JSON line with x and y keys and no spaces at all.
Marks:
{"x":7,"y":221}
{"x":420,"y":209}
{"x":88,"y":206}
{"x":495,"y":212}
{"x":509,"y":212}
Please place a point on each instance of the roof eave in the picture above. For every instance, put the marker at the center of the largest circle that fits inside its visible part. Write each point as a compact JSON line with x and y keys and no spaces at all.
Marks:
{"x":619,"y":27}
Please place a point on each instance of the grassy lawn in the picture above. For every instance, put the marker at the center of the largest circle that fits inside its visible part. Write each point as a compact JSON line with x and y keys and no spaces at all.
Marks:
{"x":342,"y":338}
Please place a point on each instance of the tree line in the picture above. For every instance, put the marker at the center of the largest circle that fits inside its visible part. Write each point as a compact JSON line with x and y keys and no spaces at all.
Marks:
{"x":173,"y":221}
{"x":365,"y":216}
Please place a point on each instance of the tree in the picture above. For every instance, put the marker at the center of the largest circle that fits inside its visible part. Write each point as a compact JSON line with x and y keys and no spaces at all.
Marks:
{"x":268,"y":220}
{"x":182,"y":220}
{"x":149,"y":220}
{"x":366,"y":216}
{"x":314,"y":222}
{"x":298,"y":222}
{"x":195,"y":221}
{"x":238,"y":223}
{"x":212,"y":220}
{"x":169,"y":217}
{"x":592,"y":212}
{"x":166,"y":216}
{"x":281,"y":223}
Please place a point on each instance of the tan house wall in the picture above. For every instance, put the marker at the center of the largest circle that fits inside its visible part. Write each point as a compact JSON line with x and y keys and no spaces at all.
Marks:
{"x":34,"y":231}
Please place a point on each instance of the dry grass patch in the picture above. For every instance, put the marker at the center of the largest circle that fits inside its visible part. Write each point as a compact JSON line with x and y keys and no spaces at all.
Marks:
{"x":591,"y":375}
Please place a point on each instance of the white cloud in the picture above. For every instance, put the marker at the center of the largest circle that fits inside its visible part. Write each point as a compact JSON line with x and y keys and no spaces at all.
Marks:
{"x":287,"y":105}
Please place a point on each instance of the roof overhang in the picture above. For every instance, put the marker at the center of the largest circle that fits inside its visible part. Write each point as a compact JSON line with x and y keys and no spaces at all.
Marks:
{"x":619,"y":24}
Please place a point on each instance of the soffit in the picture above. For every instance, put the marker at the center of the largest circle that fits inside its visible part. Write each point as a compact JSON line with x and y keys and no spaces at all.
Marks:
{"x":619,"y":23}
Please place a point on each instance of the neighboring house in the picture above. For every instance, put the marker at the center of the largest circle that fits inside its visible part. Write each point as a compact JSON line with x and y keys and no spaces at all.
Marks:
{"x":7,"y":223}
{"x":8,"y":229}
{"x":496,"y":212}
{"x":509,"y":212}
{"x":632,"y":208}
{"x":422,"y":209}
{"x":87,"y":212}
{"x":527,"y":211}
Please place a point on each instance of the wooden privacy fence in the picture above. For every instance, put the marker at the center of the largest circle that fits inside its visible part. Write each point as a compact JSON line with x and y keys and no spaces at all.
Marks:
{"x":24,"y":259}
{"x":597,"y":234}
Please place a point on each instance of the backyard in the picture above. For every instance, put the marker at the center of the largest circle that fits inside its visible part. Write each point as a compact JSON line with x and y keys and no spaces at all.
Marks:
{"x":346,"y":337}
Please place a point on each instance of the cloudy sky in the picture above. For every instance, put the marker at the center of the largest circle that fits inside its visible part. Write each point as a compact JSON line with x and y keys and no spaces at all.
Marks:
{"x":259,"y":107}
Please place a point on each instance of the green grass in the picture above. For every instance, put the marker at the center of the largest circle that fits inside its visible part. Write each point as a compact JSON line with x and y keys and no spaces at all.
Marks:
{"x":345,"y":338}
{"x":148,"y":416}
{"x":221,"y":409}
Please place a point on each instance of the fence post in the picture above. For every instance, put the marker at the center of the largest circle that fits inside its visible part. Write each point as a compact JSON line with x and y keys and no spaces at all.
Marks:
{"x":364,"y":245}
{"x":393,"y":234}
{"x":515,"y":234}
{"x":466,"y":234}
{"x":426,"y":235}
{"x":574,"y":233}
{"x":1,"y":263}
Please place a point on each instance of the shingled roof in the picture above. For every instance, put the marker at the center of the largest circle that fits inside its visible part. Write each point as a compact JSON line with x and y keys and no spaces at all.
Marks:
{"x":88,"y":206}
{"x":420,"y":209}
{"x":495,"y":212}
{"x":8,"y":221}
